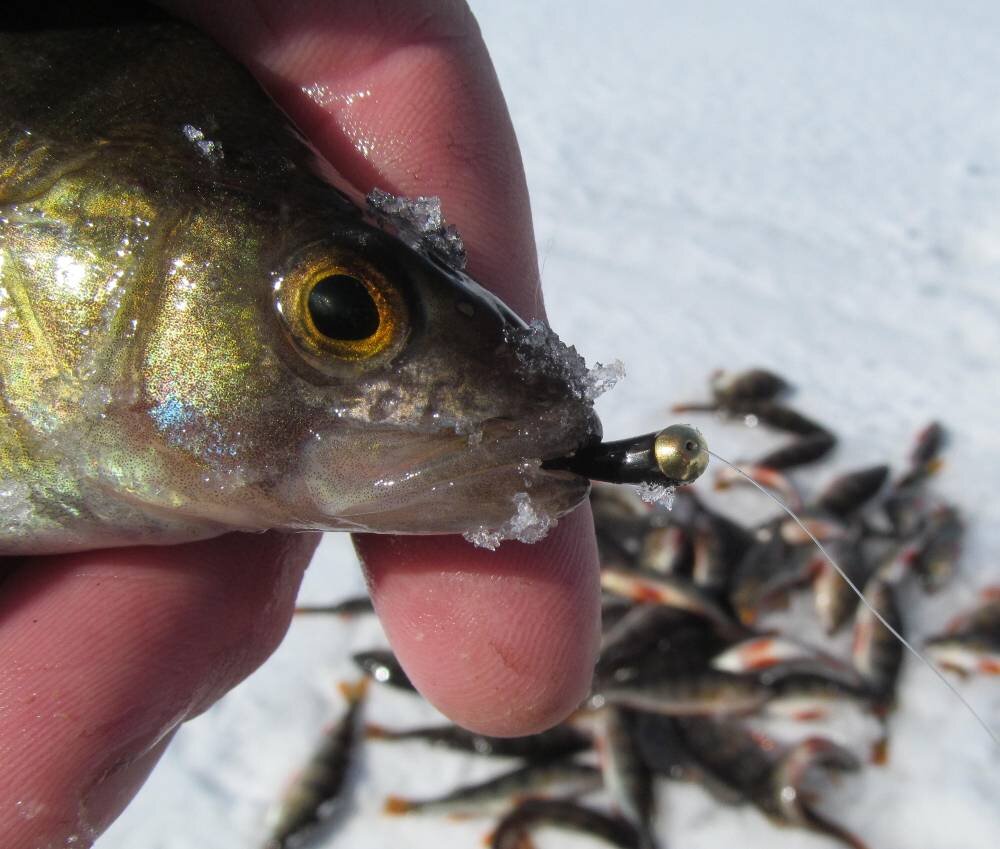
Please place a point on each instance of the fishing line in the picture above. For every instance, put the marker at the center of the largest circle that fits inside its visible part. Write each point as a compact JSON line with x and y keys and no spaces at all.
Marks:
{"x":864,"y":601}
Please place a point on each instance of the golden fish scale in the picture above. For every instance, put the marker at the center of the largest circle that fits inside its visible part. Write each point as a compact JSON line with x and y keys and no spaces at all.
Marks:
{"x":109,"y":286}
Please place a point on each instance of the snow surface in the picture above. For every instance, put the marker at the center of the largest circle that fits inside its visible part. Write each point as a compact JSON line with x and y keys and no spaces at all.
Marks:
{"x":808,"y":186}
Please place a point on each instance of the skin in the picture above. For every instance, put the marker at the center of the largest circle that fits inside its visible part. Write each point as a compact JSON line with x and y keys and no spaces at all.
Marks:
{"x":108,"y":652}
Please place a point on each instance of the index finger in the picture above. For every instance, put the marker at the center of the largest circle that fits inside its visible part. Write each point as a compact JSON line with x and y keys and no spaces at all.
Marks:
{"x":403,"y":96}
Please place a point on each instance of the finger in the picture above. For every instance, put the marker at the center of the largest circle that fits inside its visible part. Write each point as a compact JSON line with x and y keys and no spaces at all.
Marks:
{"x":504,"y":641}
{"x":403,"y":96}
{"x":107,"y":652}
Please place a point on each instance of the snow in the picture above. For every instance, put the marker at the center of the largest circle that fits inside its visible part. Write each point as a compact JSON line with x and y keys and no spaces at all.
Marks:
{"x":420,"y":223}
{"x":539,"y":350}
{"x":527,"y":525}
{"x":654,"y":493}
{"x":804,"y":186}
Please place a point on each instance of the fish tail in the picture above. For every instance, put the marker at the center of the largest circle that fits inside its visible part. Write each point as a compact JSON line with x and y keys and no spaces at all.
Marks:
{"x":397,"y":805}
{"x":353,"y":692}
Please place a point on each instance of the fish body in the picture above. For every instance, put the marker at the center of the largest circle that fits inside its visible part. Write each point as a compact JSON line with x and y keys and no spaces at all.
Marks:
{"x":772,"y":777}
{"x":655,"y":638}
{"x":513,"y":831}
{"x":848,"y":493}
{"x":495,"y":795}
{"x":555,"y":743}
{"x":876,"y":652}
{"x":199,"y":334}
{"x":972,"y":642}
{"x":313,"y":797}
{"x":627,"y":777}
{"x":707,"y":692}
{"x":834,"y":599}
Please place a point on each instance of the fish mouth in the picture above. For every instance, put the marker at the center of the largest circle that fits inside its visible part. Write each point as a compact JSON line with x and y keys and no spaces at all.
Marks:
{"x":443,"y":482}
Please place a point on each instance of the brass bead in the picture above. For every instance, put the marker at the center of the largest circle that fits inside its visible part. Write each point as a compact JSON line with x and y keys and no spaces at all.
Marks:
{"x":681,"y":453}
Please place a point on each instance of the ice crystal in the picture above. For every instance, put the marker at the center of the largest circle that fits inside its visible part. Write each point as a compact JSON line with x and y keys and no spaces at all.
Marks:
{"x":527,"y":525}
{"x":539,"y":349}
{"x":654,"y":493}
{"x":419,"y":223}
{"x":211,"y":150}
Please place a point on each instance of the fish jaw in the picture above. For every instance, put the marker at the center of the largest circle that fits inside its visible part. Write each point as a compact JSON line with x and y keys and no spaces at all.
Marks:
{"x":438,"y":482}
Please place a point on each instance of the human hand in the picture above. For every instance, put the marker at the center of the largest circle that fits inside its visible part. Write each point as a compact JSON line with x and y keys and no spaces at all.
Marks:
{"x":105,"y":653}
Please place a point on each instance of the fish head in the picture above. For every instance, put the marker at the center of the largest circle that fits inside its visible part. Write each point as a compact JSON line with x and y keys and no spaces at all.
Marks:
{"x":311,"y":370}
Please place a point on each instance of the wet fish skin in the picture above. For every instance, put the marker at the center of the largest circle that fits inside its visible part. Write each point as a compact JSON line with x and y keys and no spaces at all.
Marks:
{"x":163,"y":378}
{"x":512,"y":832}
{"x":311,"y":798}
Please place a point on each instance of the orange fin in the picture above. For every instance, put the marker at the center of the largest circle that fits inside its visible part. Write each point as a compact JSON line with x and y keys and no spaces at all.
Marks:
{"x":353,"y":692}
{"x":396,"y":805}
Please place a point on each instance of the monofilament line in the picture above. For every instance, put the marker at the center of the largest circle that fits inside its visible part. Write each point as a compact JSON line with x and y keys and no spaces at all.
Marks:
{"x":864,"y":601}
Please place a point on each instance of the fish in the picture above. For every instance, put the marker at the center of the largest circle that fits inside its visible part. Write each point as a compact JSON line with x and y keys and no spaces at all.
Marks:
{"x":771,"y":776}
{"x":732,"y":393}
{"x":938,"y":547}
{"x":809,"y":693}
{"x":353,"y":606}
{"x":513,"y":830}
{"x":971,"y":643}
{"x":557,"y":742}
{"x":382,"y":666}
{"x":720,"y":544}
{"x":493,"y":796}
{"x":707,"y":692}
{"x":876,"y":653}
{"x":627,"y":777}
{"x":655,"y":636}
{"x":767,"y":573}
{"x":848,"y":493}
{"x":834,"y":599}
{"x":792,"y":804}
{"x":313,"y":797}
{"x":666,"y":590}
{"x":200,"y":334}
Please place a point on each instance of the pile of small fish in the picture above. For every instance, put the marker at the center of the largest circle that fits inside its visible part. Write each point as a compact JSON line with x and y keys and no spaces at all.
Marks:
{"x":683,"y":676}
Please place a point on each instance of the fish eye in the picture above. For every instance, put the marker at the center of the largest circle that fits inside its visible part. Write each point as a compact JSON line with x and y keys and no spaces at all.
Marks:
{"x":341,"y":308}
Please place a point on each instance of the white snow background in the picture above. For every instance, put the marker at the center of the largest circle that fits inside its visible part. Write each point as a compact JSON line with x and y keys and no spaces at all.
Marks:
{"x":808,"y":186}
